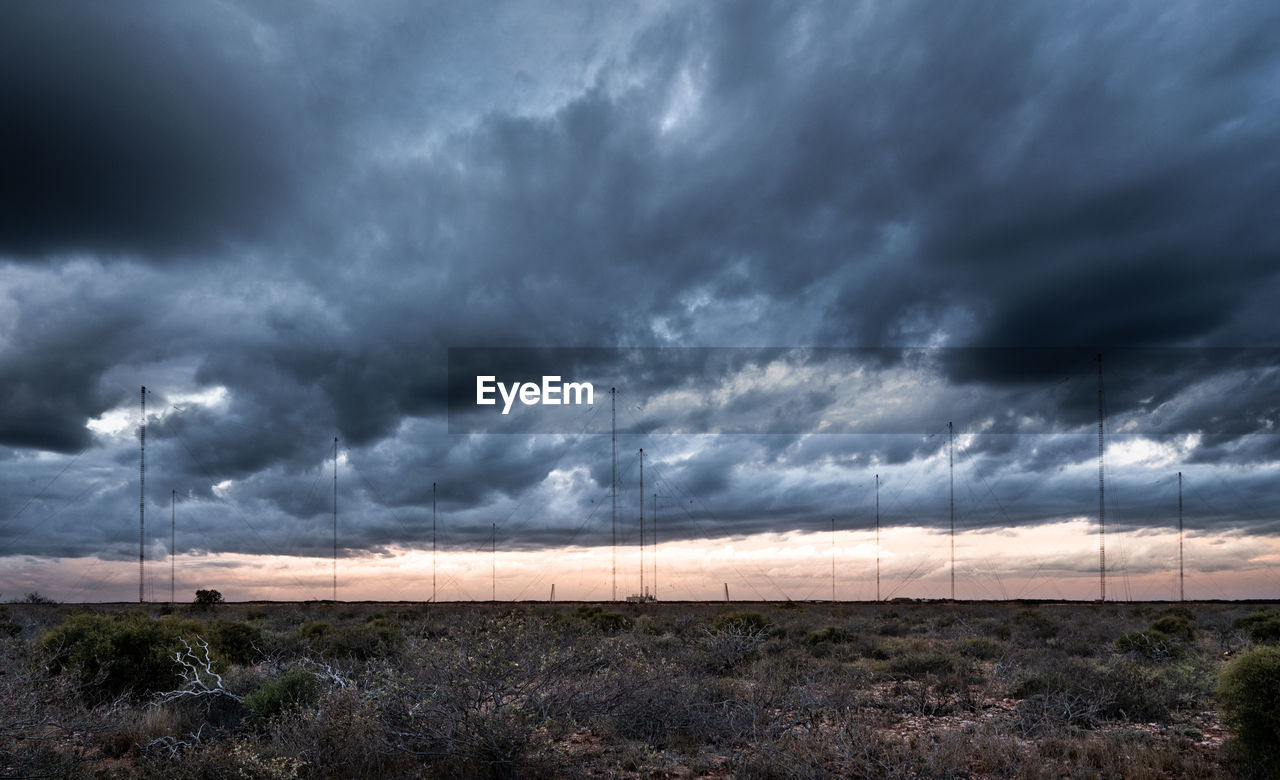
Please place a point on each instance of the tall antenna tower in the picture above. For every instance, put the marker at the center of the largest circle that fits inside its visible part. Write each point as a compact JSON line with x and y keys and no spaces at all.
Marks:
{"x":335,"y":518}
{"x":642,"y":593}
{"x":655,"y":546}
{"x":1102,"y":515}
{"x":613,"y":481}
{"x":142,"y":494}
{"x":951,"y":464}
{"x":877,"y":537}
{"x":433,"y":542}
{"x":833,"y":559}
{"x":173,"y":535}
{"x":494,"y":574}
{"x":1182,"y":591}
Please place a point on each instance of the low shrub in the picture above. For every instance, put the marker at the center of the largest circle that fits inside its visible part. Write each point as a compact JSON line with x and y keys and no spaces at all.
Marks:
{"x":918,"y":663}
{"x":1177,"y":626}
{"x":1249,"y":694}
{"x":981,"y":648}
{"x":111,"y":656}
{"x":830,"y":635}
{"x":375,"y":638}
{"x":1035,"y":624}
{"x":743,"y":621}
{"x":604,"y":622}
{"x":1149,"y":644}
{"x":1180,"y":611}
{"x":236,"y":643}
{"x":1084,"y":693}
{"x":731,"y":645}
{"x":133,"y":654}
{"x":1166,"y":637}
{"x":1262,"y":625}
{"x":295,"y":687}
{"x":314,"y":629}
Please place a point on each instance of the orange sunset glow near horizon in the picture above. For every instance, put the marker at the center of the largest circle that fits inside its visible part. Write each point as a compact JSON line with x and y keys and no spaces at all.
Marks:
{"x":1056,"y":561}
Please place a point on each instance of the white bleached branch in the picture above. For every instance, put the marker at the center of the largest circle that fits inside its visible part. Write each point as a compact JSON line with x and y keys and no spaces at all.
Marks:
{"x":197,"y":673}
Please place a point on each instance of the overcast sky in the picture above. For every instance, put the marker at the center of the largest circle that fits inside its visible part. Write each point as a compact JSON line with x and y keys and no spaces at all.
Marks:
{"x":280,"y":217}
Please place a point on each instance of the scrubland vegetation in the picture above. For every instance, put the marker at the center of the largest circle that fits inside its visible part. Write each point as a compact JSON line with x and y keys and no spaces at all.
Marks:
{"x":651,"y":690}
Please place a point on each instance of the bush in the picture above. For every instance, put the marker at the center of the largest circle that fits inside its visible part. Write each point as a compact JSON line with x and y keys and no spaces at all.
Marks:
{"x":1177,"y":626}
{"x":604,"y":622}
{"x":1035,"y":624}
{"x":314,"y":629}
{"x":1249,"y":694}
{"x":492,"y":702}
{"x":1083,"y":693}
{"x":133,"y":653}
{"x":295,"y":687}
{"x":1165,"y":638}
{"x":114,"y":656}
{"x":731,"y":645}
{"x":752,"y":622}
{"x":1262,"y":625}
{"x":236,"y":643}
{"x":920,"y":662}
{"x":376,"y":637}
{"x":981,"y":648}
{"x":1149,"y":644}
{"x":831,"y":634}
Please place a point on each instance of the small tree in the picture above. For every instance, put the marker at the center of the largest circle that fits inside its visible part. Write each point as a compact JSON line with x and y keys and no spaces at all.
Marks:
{"x":207,"y":598}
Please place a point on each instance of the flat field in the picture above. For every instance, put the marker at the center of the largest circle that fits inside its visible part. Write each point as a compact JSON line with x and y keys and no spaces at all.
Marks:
{"x":900,"y":689}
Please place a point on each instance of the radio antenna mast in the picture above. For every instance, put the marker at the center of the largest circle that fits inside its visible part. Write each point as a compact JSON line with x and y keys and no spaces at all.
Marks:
{"x":1182,"y":590}
{"x":613,"y":482}
{"x":142,"y":494}
{"x":433,"y":542}
{"x":877,"y":537}
{"x":642,"y":594}
{"x":335,"y":519}
{"x":655,"y":546}
{"x":173,"y":496}
{"x":1102,"y":515}
{"x":951,"y":463}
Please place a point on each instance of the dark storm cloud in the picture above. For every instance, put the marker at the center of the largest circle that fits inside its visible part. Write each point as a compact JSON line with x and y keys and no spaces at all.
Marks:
{"x":66,"y":333}
{"x":365,"y":189}
{"x":139,"y":130}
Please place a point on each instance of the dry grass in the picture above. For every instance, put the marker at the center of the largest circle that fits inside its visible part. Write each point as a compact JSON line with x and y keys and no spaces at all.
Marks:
{"x":658,"y":690}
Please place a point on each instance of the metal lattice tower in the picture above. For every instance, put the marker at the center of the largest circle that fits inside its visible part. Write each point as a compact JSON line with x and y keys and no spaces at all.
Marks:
{"x":833,"y":559}
{"x":1102,"y":513}
{"x":877,"y":537}
{"x":335,"y":518}
{"x":142,"y":495}
{"x":951,"y":465}
{"x":655,"y":546}
{"x":433,"y":542}
{"x":173,"y":536}
{"x":642,"y":522}
{"x":613,"y":481}
{"x":1182,"y":591}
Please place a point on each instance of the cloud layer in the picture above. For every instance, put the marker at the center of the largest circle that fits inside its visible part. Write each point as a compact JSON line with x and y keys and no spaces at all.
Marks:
{"x":281,"y":218}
